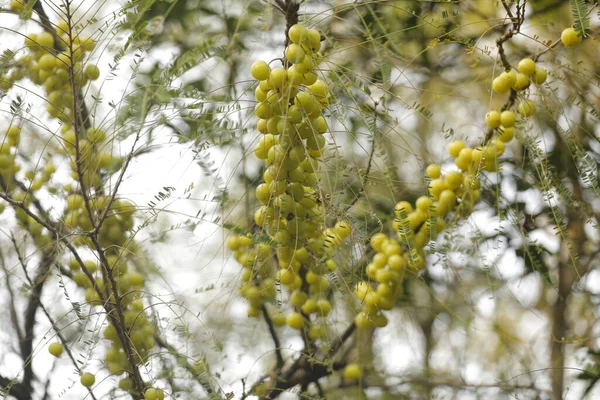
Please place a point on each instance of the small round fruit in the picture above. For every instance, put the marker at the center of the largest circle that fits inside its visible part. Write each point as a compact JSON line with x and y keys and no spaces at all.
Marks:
{"x":492,"y":119}
{"x":87,"y":379}
{"x":260,"y":70}
{"x":507,"y":119}
{"x":501,"y":84}
{"x":433,"y":171}
{"x":92,"y":72}
{"x":527,"y":66}
{"x":506,"y":135}
{"x":540,"y":76}
{"x":455,"y":147}
{"x":527,"y":108}
{"x":353,"y":372}
{"x":154,"y":394}
{"x":56,"y":349}
{"x":295,"y":320}
{"x":570,"y":37}
{"x":297,"y":33}
{"x":521,"y":83}
{"x":294,"y":53}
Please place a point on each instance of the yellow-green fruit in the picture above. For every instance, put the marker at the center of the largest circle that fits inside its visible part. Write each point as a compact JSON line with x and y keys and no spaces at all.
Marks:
{"x":527,"y":108}
{"x":507,"y":119}
{"x":87,"y":379}
{"x":126,"y":384}
{"x":298,"y":298}
{"x":501,"y":84}
{"x":570,"y":37}
{"x":353,"y":372}
{"x":433,"y":171}
{"x":540,"y":76}
{"x":297,"y":33}
{"x":522,"y":82}
{"x":92,"y":72}
{"x":362,"y":321}
{"x":260,"y":70}
{"x":506,"y":135}
{"x":314,"y":39}
{"x":294,"y":53}
{"x":56,"y":349}
{"x":527,"y":66}
{"x":492,"y":119}
{"x":324,"y":307}
{"x":295,"y":320}
{"x":455,"y":148}
{"x":154,"y":394}
{"x":47,"y":62}
{"x":45,"y":39}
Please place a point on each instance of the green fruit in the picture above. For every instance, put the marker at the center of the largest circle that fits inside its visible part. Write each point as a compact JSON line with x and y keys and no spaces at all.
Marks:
{"x":353,"y":372}
{"x":521,"y":83}
{"x":492,"y":119}
{"x":126,"y":384}
{"x":570,"y":37}
{"x":46,"y":40}
{"x":507,"y":119}
{"x":154,"y":394}
{"x":324,"y":307}
{"x":526,"y":66}
{"x":297,"y":33}
{"x":433,"y":171}
{"x":455,"y":147}
{"x":297,"y":298}
{"x":47,"y":62}
{"x":540,"y":76}
{"x":92,"y":72}
{"x":56,"y":349}
{"x":260,"y":70}
{"x":294,"y":53}
{"x":295,"y":320}
{"x":502,"y":84}
{"x":506,"y":135}
{"x":278,"y":78}
{"x":527,"y":108}
{"x":314,"y":39}
{"x":87,"y":379}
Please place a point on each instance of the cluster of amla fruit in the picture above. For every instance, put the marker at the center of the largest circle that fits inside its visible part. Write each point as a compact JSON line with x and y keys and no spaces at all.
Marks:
{"x":47,"y":66}
{"x":103,"y":282}
{"x":455,"y":192}
{"x":8,"y":150}
{"x":403,"y":256}
{"x":290,"y":105}
{"x":52,"y":69}
{"x":138,"y":329}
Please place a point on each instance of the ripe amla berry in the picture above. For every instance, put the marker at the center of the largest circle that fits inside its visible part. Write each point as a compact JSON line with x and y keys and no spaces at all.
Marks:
{"x":503,"y":82}
{"x":56,"y":349}
{"x":527,"y":66}
{"x":87,"y":379}
{"x":260,"y":70}
{"x":527,"y":108}
{"x":492,"y":119}
{"x":507,"y":119}
{"x":154,"y":394}
{"x":295,"y":320}
{"x":570,"y":37}
{"x":353,"y":372}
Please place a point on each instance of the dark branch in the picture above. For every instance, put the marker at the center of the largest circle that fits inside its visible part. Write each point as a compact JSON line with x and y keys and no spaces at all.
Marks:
{"x":274,"y":336}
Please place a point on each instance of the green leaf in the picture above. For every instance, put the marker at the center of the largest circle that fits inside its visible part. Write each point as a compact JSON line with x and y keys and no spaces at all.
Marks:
{"x":581,"y":16}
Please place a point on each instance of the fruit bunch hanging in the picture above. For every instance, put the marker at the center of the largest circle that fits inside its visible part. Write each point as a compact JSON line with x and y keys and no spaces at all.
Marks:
{"x":291,"y":219}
